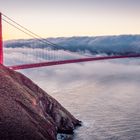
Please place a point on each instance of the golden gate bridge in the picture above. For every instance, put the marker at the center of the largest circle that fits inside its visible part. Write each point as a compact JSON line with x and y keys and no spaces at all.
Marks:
{"x":48,"y":43}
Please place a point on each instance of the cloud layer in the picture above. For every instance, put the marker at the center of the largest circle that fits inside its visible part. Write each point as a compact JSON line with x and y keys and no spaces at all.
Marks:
{"x":103,"y":72}
{"x":123,"y":44}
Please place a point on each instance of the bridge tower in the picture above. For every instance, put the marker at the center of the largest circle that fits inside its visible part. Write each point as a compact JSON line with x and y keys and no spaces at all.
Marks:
{"x":1,"y":42}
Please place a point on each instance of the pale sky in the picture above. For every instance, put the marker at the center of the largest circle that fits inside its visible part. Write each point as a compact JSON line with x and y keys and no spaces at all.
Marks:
{"x":64,"y":18}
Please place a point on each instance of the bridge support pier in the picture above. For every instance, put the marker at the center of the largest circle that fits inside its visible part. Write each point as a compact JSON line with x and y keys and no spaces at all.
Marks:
{"x":1,"y":42}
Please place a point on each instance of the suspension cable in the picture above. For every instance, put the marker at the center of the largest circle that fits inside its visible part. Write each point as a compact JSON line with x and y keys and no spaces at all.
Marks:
{"x":32,"y":34}
{"x":22,"y":31}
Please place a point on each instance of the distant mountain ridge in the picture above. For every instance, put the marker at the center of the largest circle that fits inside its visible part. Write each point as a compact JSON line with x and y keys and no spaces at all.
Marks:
{"x":121,"y":44}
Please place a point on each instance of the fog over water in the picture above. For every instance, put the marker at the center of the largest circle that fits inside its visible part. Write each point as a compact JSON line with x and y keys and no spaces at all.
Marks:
{"x":104,"y":95}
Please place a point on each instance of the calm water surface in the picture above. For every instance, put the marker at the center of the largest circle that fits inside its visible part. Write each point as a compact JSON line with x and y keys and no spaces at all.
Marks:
{"x":107,"y":103}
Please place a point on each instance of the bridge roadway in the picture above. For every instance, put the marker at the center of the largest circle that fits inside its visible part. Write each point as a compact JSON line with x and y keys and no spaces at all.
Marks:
{"x":61,"y":62}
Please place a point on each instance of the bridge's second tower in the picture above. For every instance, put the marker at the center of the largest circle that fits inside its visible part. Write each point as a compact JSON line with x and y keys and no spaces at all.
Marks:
{"x":1,"y":42}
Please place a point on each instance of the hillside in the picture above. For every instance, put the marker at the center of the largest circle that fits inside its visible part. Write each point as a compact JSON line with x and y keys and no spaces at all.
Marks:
{"x":29,"y":113}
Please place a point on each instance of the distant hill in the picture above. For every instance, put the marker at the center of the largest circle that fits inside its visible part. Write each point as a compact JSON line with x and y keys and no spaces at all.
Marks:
{"x":29,"y":113}
{"x":123,"y":44}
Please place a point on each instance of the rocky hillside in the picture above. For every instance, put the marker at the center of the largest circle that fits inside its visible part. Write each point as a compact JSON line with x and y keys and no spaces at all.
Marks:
{"x":29,"y":113}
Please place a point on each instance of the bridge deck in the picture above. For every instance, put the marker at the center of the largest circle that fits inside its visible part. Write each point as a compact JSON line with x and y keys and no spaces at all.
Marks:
{"x":60,"y":62}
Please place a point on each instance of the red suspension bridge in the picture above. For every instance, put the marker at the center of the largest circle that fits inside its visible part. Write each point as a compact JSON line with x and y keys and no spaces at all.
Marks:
{"x":48,"y":43}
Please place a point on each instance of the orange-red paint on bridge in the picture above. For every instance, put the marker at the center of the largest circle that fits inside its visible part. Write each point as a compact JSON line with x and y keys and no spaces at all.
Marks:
{"x":50,"y":63}
{"x":61,"y":62}
{"x":1,"y":42}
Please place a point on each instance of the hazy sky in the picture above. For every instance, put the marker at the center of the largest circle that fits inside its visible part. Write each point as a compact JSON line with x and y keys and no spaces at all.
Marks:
{"x":55,"y":18}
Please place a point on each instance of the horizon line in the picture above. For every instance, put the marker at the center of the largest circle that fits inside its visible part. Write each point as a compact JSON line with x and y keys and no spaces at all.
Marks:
{"x":74,"y":36}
